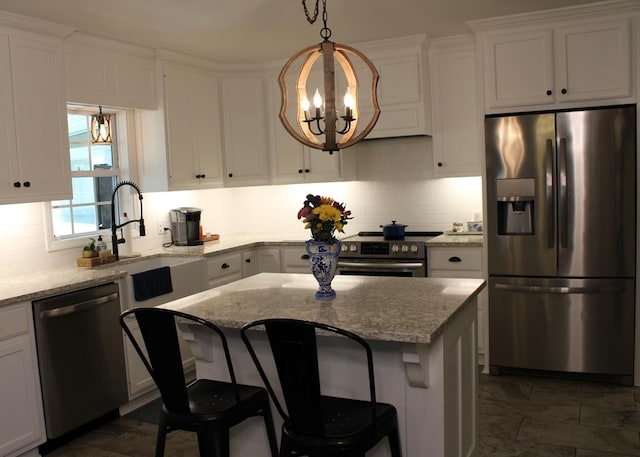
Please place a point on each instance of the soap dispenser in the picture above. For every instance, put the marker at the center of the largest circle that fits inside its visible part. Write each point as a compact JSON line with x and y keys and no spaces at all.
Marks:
{"x":100,"y":244}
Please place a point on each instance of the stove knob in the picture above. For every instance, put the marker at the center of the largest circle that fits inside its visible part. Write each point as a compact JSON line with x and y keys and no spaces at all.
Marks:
{"x":345,"y":247}
{"x":395,"y":248}
{"x":414,"y":248}
{"x":353,"y":248}
{"x":405,"y":248}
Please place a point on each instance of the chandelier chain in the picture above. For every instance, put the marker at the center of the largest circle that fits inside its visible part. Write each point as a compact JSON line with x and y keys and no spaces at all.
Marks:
{"x":325,"y":32}
{"x":310,"y":18}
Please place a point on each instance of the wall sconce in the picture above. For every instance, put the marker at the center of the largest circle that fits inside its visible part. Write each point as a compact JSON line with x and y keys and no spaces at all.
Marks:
{"x":101,"y":128}
{"x":339,"y":130}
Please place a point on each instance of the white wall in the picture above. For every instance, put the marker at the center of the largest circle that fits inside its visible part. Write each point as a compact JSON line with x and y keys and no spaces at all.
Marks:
{"x":394,"y":181}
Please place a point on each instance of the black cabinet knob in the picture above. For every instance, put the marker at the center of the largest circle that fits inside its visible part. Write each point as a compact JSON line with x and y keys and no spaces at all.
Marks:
{"x":564,"y":91}
{"x":304,"y":257}
{"x":16,"y":184}
{"x":231,"y":175}
{"x":247,"y":260}
{"x":307,"y":170}
{"x":455,"y":259}
{"x":440,"y":164}
{"x":549,"y":92}
{"x":26,"y":184}
{"x":198,"y":176}
{"x":225,"y":265}
{"x":300,"y":170}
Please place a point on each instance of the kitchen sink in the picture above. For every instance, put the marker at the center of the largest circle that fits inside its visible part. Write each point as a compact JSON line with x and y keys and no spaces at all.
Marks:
{"x":188,"y":276}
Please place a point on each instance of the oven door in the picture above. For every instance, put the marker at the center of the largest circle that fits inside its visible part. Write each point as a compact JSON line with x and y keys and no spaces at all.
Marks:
{"x":382,"y":267}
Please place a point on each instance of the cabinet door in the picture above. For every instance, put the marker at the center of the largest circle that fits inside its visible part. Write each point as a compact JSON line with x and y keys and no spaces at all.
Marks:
{"x":37,"y":70}
{"x":594,"y":60}
{"x":518,"y":68}
{"x":224,"y":268}
{"x":250,"y":263}
{"x":295,"y":260}
{"x":192,"y":127}
{"x":21,"y":417}
{"x":245,"y":142}
{"x":269,"y":260}
{"x":9,"y":172}
{"x":457,"y":117}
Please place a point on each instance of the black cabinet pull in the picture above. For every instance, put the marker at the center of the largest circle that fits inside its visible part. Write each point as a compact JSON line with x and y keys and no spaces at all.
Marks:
{"x":307,"y":170}
{"x":549,"y":92}
{"x":26,"y":184}
{"x":300,"y":170}
{"x":16,"y":184}
{"x":304,"y":257}
{"x":564,"y":91}
{"x":455,"y":259}
{"x":440,"y":164}
{"x":225,"y":265}
{"x":247,"y":260}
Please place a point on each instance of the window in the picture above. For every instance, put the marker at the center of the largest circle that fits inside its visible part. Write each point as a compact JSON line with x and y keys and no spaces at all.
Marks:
{"x":94,"y":174}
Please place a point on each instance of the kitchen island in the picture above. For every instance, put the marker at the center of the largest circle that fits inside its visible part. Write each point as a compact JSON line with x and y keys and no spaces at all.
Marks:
{"x":422,"y":332}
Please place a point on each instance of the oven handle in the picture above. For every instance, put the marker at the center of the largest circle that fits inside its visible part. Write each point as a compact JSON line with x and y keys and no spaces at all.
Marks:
{"x":379,"y":265}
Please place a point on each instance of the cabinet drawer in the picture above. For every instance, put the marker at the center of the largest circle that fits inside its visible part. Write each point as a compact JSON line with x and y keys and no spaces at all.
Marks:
{"x":295,"y":260}
{"x":455,"y":259}
{"x":14,"y":321}
{"x":224,"y":265}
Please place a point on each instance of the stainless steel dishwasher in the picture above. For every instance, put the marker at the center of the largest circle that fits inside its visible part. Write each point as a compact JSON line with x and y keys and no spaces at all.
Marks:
{"x":81,"y":357}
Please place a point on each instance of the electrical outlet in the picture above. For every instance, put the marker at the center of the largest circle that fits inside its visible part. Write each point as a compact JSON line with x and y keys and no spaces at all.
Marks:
{"x":160,"y":228}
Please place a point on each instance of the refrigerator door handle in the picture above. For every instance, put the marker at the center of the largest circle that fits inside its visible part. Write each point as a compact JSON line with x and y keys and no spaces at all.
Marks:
{"x":563,"y":210}
{"x":549,"y":194}
{"x":558,"y":289}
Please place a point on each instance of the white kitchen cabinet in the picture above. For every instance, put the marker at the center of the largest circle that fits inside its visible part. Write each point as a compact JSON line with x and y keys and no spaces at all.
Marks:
{"x":262,"y":259}
{"x":224,"y":268}
{"x":181,"y":144}
{"x":193,"y":127}
{"x":295,"y":259}
{"x":403,"y":89}
{"x":462,"y":262}
{"x":245,"y":129}
{"x":33,"y":122}
{"x":556,"y":65}
{"x":456,"y":107}
{"x":100,"y":71}
{"x":21,"y":414}
{"x":291,"y":161}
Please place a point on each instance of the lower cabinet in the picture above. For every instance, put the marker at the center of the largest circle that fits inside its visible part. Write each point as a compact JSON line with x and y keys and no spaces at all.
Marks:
{"x":224,"y":268}
{"x":21,"y":415}
{"x":295,"y":259}
{"x":462,"y":262}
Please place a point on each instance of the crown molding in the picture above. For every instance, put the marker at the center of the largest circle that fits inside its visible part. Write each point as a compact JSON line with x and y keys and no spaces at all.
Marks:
{"x":554,"y":15}
{"x":31,"y":24}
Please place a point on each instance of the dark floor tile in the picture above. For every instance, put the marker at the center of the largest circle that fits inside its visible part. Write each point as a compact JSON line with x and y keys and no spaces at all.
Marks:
{"x":587,"y":453}
{"x":498,"y":426}
{"x":611,"y":399}
{"x":496,"y":447}
{"x":560,"y":411}
{"x":580,"y":436}
{"x":506,"y":387}
{"x":610,"y":418}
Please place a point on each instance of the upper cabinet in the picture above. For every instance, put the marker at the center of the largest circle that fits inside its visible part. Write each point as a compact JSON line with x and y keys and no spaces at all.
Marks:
{"x":106,"y":72}
{"x":245,"y":129}
{"x":558,"y":64}
{"x":403,"y":88}
{"x":34,"y":148}
{"x":456,"y":106}
{"x":181,"y":143}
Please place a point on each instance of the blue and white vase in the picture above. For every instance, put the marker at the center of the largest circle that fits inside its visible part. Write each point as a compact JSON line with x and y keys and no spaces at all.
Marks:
{"x":323,"y":258}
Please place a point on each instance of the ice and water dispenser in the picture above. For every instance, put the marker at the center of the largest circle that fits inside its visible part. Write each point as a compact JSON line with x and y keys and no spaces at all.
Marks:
{"x":516,"y":201}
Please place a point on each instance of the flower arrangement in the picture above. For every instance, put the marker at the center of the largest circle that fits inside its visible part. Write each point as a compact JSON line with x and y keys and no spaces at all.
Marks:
{"x":323,"y":216}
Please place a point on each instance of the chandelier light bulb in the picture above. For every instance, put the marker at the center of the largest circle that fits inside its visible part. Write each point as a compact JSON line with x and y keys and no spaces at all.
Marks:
{"x":348,"y":99}
{"x":317,"y":99}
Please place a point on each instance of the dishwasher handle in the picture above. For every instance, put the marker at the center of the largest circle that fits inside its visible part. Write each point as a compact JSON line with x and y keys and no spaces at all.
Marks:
{"x":76,"y":307}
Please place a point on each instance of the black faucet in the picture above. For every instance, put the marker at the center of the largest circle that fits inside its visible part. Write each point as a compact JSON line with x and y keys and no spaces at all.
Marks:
{"x":114,"y":238}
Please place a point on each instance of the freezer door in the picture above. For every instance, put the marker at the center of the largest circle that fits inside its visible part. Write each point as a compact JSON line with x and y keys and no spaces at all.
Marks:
{"x":568,"y":325}
{"x":596,"y":192}
{"x":521,"y":159}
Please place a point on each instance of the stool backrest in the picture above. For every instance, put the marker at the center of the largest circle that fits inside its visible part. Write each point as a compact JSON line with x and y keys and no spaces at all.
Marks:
{"x":295,"y":353}
{"x":161,"y":355}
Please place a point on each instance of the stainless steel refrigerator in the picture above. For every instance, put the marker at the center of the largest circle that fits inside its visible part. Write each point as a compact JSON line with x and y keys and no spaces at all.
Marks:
{"x":561,"y":196}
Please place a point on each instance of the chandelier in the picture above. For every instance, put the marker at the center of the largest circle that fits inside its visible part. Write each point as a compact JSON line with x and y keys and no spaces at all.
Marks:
{"x":101,"y":128}
{"x":325,"y":125}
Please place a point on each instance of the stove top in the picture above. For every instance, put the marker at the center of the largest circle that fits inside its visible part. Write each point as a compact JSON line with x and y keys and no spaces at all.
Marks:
{"x":373,"y":245}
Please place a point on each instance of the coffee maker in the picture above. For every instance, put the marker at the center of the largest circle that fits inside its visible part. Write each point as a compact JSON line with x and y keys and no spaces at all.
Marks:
{"x":185,"y":226}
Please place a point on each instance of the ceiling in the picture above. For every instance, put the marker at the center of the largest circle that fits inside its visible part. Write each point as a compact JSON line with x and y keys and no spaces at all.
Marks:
{"x":259,"y":30}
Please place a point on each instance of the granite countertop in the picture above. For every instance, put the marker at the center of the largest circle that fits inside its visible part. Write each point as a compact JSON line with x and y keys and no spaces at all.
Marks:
{"x":412,"y":310}
{"x":456,"y":240}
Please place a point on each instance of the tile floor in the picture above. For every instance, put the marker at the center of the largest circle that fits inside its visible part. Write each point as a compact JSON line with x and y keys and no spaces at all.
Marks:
{"x":518,"y":416}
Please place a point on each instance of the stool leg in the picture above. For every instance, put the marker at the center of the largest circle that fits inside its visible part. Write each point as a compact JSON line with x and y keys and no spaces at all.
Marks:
{"x":394,"y":443}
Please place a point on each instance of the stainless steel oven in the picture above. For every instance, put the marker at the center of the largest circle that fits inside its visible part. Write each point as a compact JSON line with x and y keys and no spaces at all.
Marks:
{"x":370,"y":254}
